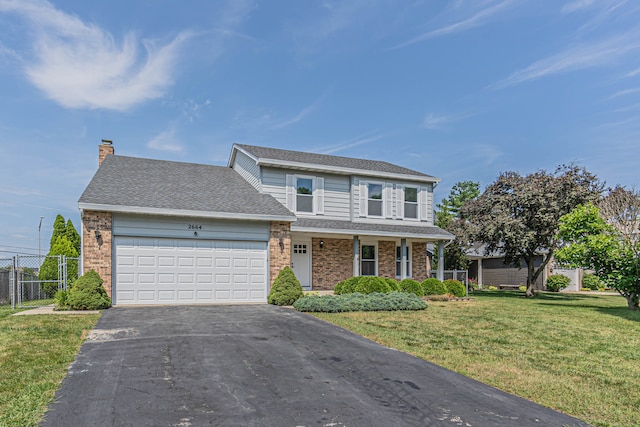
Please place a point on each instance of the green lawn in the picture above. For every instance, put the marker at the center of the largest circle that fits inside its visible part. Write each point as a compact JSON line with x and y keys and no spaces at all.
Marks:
{"x":579,"y":354}
{"x":35,"y":352}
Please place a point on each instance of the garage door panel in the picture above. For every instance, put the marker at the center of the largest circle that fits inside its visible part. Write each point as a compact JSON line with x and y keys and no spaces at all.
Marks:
{"x":164,"y":271}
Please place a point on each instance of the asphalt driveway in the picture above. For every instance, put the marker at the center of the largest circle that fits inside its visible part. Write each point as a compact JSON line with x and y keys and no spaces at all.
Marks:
{"x":259,"y":365}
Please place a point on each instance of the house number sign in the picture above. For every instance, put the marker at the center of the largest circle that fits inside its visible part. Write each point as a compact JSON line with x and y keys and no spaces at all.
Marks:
{"x":194,"y":227}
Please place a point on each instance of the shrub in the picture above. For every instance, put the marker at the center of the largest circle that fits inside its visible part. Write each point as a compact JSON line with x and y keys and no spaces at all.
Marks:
{"x":346,"y":286}
{"x":371,"y":284}
{"x":86,"y":293}
{"x":522,"y":288}
{"x":556,"y":282}
{"x":360,"y":302}
{"x":492,"y":288}
{"x":591,"y":281}
{"x":434,"y":286}
{"x":455,"y":287}
{"x":393,"y":284}
{"x":411,"y":286}
{"x":286,"y":288}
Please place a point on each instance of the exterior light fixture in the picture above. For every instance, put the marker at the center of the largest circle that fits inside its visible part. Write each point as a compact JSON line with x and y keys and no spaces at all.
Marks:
{"x":98,"y":235}
{"x":321,"y":244}
{"x":281,"y":244}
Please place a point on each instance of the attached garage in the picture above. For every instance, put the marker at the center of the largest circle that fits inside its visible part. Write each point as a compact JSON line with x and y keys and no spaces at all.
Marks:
{"x":188,"y":261}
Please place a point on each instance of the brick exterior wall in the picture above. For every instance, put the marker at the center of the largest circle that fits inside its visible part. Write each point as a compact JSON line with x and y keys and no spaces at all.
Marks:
{"x":97,"y":253}
{"x":387,"y":259}
{"x":279,"y":258}
{"x":103,"y":150}
{"x":331,"y":264}
{"x":420,"y":262}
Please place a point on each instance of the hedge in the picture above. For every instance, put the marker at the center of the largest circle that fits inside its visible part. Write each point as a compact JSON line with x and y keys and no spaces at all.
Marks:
{"x":557,"y":282}
{"x":391,"y":301}
{"x":433,"y":286}
{"x":411,"y":286}
{"x":455,"y":287}
{"x":286,"y":289}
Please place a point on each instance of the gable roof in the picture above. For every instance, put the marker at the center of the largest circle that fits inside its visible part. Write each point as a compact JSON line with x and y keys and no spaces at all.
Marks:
{"x":267,"y":156}
{"x":136,"y":185}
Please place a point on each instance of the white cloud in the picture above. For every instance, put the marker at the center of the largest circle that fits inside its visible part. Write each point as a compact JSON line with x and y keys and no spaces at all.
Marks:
{"x":166,"y":141}
{"x":295,"y":119}
{"x":577,"y":5}
{"x":80,"y":65}
{"x":478,"y":18}
{"x":598,"y":54}
{"x":632,"y":73}
{"x":625,"y":92}
{"x":351,"y":143}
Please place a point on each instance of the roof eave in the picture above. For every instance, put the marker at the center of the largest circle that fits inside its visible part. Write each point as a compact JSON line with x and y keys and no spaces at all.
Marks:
{"x":344,"y":171}
{"x":351,"y":232}
{"x":234,"y":150}
{"x":183,"y":212}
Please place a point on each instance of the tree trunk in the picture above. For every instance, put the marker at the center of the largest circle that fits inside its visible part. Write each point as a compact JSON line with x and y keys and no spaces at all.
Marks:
{"x":633,"y":300}
{"x":531,"y":277}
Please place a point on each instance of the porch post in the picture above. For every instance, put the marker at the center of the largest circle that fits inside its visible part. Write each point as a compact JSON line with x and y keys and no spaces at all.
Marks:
{"x":440,"y":273}
{"x":356,"y":257}
{"x":480,"y":271}
{"x":403,"y":259}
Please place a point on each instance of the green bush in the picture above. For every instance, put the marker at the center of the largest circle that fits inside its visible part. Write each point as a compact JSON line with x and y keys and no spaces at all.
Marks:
{"x":86,"y":293}
{"x":557,"y":282}
{"x":492,"y":288}
{"x":346,"y":286}
{"x":360,"y":302}
{"x":522,"y":288}
{"x":455,"y":287}
{"x":371,"y":284}
{"x":591,"y":281}
{"x":433,"y":286}
{"x":393,"y":284}
{"x":411,"y":286}
{"x":286,"y":288}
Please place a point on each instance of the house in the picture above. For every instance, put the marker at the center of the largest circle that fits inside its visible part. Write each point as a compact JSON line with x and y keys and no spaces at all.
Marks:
{"x":164,"y":232}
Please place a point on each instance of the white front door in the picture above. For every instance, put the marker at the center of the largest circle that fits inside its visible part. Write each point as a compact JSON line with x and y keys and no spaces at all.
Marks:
{"x":301,"y":263}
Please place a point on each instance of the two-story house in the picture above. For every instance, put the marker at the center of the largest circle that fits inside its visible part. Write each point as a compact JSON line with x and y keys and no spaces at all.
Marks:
{"x":163,"y":232}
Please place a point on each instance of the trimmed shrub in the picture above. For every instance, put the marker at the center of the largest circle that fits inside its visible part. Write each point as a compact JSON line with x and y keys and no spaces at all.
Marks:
{"x":391,"y":301}
{"x":433,"y":286}
{"x":86,"y":293}
{"x":411,"y":286}
{"x":591,"y":281}
{"x":371,"y":284}
{"x":493,"y":288}
{"x":455,"y":287}
{"x":346,"y":286}
{"x":286,"y":289}
{"x":557,"y":282}
{"x":393,"y":284}
{"x":522,"y":288}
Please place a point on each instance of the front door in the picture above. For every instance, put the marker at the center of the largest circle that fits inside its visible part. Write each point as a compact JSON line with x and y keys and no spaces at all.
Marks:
{"x":301,"y":263}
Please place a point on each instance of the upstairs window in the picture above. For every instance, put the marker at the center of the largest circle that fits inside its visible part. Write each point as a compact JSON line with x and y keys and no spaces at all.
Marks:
{"x":304,"y":194}
{"x":411,"y":202}
{"x":374,"y":200}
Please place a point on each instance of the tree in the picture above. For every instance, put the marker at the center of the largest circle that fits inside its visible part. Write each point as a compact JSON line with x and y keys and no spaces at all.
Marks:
{"x":518,"y":215}
{"x":449,"y":210}
{"x":72,"y":235}
{"x":606,"y":239}
{"x":49,"y":270}
{"x":59,"y":229}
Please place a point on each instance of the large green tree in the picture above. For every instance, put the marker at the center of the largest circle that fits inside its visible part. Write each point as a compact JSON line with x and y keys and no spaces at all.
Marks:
{"x":518,"y":215}
{"x":606,"y":239}
{"x":448,"y":211}
{"x":59,"y":229}
{"x":49,"y":274}
{"x":72,"y":235}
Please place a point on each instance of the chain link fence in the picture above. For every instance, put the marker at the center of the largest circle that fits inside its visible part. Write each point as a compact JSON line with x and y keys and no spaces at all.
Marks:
{"x":6,"y":280}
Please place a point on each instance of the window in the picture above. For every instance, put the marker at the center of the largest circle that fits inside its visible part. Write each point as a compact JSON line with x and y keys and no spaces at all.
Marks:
{"x":304,"y":194}
{"x":374,"y":201}
{"x":411,"y":202}
{"x":399,"y":261}
{"x":368,"y":260}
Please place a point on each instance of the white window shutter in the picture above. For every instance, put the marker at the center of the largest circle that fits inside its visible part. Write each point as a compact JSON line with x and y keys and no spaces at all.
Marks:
{"x":388,"y":200}
{"x":319,"y":196}
{"x":423,"y":203}
{"x":291,"y":194}
{"x":363,"y":198}
{"x":400,"y":201}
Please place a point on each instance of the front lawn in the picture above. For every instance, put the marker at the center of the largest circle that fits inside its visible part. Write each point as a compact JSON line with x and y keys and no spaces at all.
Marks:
{"x":35,"y":352}
{"x":579,"y":354}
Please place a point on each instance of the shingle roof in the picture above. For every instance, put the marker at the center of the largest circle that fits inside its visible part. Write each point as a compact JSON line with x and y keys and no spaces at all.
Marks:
{"x":328,"y":160}
{"x":350,"y":227}
{"x":159,"y":184}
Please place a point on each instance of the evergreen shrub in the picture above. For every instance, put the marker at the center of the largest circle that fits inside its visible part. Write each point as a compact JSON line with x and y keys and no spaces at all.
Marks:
{"x":286,"y":288}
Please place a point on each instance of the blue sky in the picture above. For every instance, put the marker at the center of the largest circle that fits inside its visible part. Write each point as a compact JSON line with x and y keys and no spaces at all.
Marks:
{"x":457,"y":89}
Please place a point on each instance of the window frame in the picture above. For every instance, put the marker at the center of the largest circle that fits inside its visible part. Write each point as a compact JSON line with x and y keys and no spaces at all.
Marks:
{"x":399,"y":261}
{"x":313,"y":194}
{"x":416,"y":203}
{"x":375,"y":257}
{"x":381,"y":200}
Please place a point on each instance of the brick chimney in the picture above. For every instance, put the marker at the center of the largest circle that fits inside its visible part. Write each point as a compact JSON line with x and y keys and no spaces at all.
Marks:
{"x":103,"y":149}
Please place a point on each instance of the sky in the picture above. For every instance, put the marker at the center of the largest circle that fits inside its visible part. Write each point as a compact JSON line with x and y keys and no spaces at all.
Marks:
{"x":461,"y":90}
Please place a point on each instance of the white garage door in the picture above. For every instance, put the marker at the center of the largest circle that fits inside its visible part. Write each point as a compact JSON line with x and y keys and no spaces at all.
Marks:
{"x":179,"y":271}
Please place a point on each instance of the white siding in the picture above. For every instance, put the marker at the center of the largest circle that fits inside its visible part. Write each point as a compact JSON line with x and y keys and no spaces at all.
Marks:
{"x":248,"y":169}
{"x":185,"y":228}
{"x":336,"y":190}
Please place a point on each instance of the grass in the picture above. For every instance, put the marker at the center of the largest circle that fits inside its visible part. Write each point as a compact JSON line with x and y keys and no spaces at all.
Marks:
{"x":578,"y":354}
{"x":35,"y":352}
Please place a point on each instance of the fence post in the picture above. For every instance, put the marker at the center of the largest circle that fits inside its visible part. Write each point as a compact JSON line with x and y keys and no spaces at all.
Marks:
{"x":12,"y":282}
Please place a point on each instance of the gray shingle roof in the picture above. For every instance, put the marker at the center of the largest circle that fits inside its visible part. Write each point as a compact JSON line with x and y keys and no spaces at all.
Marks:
{"x":146,"y":183}
{"x":328,"y":160}
{"x":398,"y":230}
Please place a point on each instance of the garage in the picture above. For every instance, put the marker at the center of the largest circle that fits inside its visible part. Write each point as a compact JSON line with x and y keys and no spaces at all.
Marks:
{"x":174,"y":271}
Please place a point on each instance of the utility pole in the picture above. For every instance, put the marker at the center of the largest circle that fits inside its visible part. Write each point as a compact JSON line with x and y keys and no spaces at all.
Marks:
{"x":39,"y":257}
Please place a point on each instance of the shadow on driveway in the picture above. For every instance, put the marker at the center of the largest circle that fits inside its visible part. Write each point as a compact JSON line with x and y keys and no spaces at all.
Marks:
{"x":260,"y":365}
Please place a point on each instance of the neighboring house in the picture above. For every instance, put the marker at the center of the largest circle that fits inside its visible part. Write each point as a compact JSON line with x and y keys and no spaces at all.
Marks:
{"x":162,"y":232}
